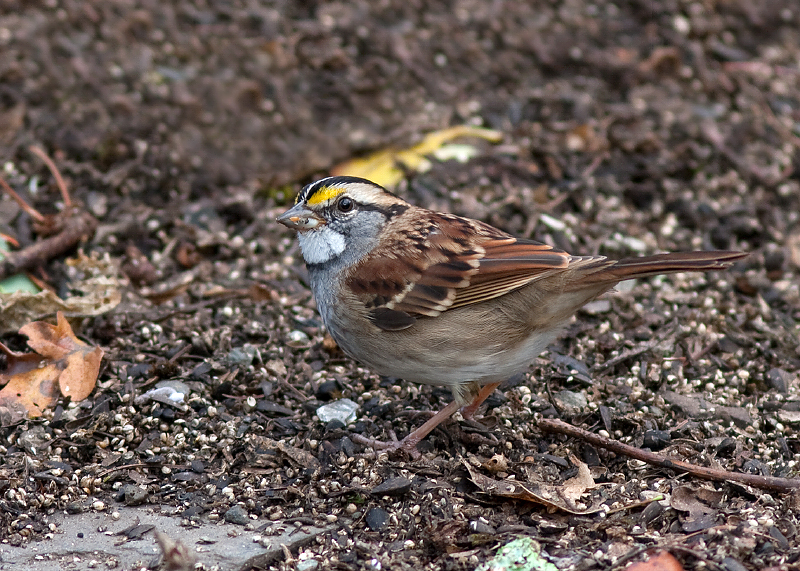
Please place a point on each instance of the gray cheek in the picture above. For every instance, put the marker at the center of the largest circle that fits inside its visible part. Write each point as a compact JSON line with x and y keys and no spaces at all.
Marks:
{"x":360,"y":237}
{"x":362,"y":232}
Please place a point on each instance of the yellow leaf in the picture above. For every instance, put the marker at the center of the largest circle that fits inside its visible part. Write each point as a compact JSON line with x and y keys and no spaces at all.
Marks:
{"x":383,"y":167}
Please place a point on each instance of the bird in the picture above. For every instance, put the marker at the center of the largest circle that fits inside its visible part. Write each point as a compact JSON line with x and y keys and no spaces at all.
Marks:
{"x":440,"y":299}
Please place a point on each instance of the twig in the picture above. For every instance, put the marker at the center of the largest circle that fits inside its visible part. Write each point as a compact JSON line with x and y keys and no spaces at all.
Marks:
{"x":32,"y":212}
{"x":11,"y":240}
{"x":593,"y":166}
{"x":762,"y":482}
{"x":64,"y":230}
{"x":105,"y":473}
{"x":284,"y":382}
{"x":62,"y":186}
{"x":181,"y":352}
{"x":75,"y":229}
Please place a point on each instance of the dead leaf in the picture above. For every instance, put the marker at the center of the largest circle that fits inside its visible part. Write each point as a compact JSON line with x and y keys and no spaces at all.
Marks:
{"x":29,"y":387}
{"x":97,"y":285}
{"x":661,"y":561}
{"x":297,"y":456}
{"x":575,"y":487}
{"x":260,"y":292}
{"x":62,"y":364}
{"x":696,"y":500}
{"x":555,"y":496}
{"x":496,"y":464}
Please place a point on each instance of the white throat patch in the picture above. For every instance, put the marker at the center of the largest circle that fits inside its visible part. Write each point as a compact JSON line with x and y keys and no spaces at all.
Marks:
{"x":320,"y":246}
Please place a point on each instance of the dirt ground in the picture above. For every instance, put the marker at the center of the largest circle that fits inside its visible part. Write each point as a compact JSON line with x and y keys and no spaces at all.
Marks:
{"x":628,"y":128}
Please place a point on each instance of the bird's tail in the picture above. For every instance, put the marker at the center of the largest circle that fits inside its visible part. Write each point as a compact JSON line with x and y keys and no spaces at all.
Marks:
{"x":603,"y":271}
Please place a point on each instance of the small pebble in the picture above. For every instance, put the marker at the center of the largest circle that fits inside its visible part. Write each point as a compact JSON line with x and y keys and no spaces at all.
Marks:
{"x":343,"y":410}
{"x":392,"y":487}
{"x":377,"y":519}
{"x":307,"y":565}
{"x":238,"y":515}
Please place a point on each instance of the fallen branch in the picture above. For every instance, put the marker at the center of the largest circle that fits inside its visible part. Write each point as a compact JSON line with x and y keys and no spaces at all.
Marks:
{"x":64,"y":230}
{"x":762,"y":482}
{"x":75,"y":229}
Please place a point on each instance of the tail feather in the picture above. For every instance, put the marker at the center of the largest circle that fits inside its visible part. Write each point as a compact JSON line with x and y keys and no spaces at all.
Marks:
{"x":606,"y":271}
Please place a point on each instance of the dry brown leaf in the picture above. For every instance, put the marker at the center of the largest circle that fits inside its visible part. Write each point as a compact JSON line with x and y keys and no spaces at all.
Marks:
{"x":699,"y":501}
{"x":554,"y":496}
{"x":662,"y":561}
{"x":260,"y":292}
{"x":297,"y":456}
{"x":575,"y":487}
{"x":97,"y":283}
{"x":695,"y":499}
{"x":62,"y":364}
{"x":29,"y":387}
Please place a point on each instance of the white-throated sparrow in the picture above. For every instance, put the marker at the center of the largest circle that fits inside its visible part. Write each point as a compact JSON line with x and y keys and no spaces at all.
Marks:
{"x":444,"y":300}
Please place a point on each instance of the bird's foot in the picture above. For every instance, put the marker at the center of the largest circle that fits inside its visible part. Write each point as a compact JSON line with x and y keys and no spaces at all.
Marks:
{"x":405,"y":445}
{"x":409,"y":443}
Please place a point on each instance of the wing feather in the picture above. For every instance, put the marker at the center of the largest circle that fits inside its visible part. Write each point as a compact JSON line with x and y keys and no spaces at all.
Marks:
{"x":438,"y":261}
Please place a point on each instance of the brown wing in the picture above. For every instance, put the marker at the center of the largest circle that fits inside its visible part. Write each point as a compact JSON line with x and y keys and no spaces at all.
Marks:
{"x":439,"y":261}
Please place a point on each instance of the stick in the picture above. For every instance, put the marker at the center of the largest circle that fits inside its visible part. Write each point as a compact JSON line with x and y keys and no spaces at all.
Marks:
{"x":762,"y":482}
{"x":62,"y":186}
{"x":76,"y":228}
{"x":32,"y":212}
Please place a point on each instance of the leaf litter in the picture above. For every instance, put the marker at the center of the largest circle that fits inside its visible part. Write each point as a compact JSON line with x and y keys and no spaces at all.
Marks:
{"x":62,"y":365}
{"x":320,"y":93}
{"x":95,"y":286}
{"x":568,"y":496}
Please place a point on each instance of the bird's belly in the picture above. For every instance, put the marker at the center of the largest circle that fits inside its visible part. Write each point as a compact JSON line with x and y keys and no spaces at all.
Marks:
{"x":425,"y":353}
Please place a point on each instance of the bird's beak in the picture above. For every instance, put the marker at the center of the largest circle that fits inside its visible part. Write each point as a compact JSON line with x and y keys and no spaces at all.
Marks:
{"x":300,"y":218}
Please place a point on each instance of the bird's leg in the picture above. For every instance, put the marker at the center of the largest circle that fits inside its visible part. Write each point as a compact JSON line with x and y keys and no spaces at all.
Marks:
{"x":409,"y":443}
{"x":469,"y":411}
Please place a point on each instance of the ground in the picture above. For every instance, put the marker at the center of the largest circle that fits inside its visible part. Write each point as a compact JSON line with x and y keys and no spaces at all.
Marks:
{"x":628,"y":128}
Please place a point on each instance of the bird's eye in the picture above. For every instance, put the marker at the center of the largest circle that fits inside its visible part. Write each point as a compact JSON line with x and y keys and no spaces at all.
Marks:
{"x":345,"y":204}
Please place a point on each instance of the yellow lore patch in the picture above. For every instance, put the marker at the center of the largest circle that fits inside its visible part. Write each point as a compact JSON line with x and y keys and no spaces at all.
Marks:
{"x":325,"y":194}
